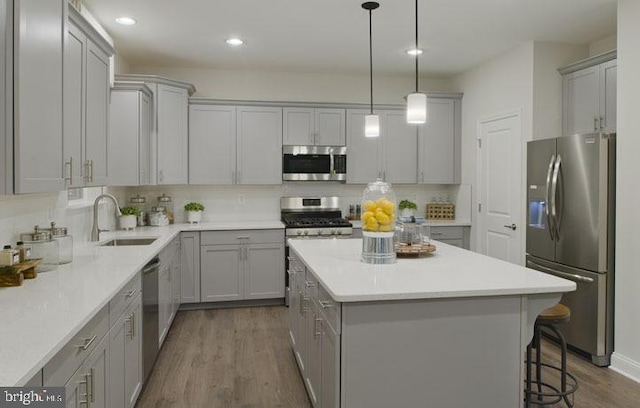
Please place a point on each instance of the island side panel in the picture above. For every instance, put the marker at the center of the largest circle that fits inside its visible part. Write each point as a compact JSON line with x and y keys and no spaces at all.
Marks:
{"x":461,"y":352}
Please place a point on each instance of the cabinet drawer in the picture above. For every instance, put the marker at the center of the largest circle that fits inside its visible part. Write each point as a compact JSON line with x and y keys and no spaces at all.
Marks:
{"x":241,"y":237}
{"x":311,"y":285}
{"x":329,"y":308}
{"x":454,"y":242}
{"x":440,"y":233}
{"x":62,"y":366}
{"x":121,"y":301}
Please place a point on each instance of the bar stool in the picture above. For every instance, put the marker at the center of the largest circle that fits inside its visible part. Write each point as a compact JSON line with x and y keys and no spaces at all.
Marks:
{"x":546,"y":393}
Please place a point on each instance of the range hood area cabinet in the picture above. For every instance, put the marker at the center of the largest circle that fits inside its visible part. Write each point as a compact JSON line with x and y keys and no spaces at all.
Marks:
{"x":313,"y":126}
{"x":86,"y":104}
{"x":404,"y":153}
{"x":130,"y":134}
{"x":589,"y":95}
{"x":169,"y":127}
{"x":234,"y":144}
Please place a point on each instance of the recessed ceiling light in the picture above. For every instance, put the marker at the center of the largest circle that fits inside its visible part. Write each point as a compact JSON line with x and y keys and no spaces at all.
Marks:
{"x":125,"y":20}
{"x":234,"y":41}
{"x":414,"y":51}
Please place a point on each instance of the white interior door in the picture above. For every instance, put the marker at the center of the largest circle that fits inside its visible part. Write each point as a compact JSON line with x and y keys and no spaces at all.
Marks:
{"x":500,"y":167}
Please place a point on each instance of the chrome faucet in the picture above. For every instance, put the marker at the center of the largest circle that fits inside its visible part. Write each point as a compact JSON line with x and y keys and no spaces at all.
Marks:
{"x":95,"y":230}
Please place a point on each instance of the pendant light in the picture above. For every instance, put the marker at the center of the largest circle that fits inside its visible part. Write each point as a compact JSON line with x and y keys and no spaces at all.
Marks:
{"x":371,"y":121}
{"x":417,"y":101}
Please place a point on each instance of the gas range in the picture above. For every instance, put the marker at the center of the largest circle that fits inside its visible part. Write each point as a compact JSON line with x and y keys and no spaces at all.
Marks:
{"x":314,"y":217}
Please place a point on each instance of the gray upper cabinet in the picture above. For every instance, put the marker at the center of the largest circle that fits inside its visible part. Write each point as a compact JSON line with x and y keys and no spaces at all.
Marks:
{"x":259,"y":145}
{"x":38,"y":66}
{"x":391,"y":157}
{"x":314,"y":126}
{"x":212,"y":144}
{"x":439,"y":142}
{"x":589,"y":95}
{"x":169,"y":144}
{"x":130,"y":134}
{"x":86,"y":104}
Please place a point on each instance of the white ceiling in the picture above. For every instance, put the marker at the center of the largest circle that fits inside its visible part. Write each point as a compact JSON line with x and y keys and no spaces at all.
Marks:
{"x":332,"y":35}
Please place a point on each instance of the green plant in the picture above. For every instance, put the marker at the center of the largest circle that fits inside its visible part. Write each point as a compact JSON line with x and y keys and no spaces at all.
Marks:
{"x":194,"y":206}
{"x":130,"y":211}
{"x":407,"y":205}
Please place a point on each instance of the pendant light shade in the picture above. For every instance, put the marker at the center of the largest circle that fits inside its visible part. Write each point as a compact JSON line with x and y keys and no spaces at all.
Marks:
{"x":416,"y":108}
{"x":372,"y":126}
{"x":371,"y":121}
{"x":417,"y":101}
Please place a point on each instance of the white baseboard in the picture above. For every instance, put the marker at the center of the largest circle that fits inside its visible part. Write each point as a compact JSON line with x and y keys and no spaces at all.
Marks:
{"x":625,"y":366}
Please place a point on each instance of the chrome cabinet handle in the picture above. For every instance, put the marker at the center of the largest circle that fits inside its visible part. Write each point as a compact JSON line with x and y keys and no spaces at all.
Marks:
{"x":595,"y":123}
{"x":325,"y":304}
{"x":86,"y":390}
{"x":547,"y":194}
{"x":130,"y":293}
{"x":87,"y":342}
{"x":303,"y":301}
{"x":317,"y":331}
{"x":91,"y":377}
{"x":309,"y":284}
{"x":70,"y":163}
{"x":91,"y":171}
{"x":512,"y":227}
{"x":601,"y":123}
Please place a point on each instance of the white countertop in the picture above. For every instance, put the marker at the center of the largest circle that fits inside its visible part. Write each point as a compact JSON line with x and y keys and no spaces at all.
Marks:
{"x":447,"y":273}
{"x":40,"y":316}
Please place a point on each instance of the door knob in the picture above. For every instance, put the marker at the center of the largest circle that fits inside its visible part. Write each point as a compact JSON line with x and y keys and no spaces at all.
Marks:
{"x":512,"y":226}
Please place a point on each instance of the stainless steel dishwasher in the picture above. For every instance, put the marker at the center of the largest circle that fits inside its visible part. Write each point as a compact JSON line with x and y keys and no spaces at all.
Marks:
{"x":149,"y":315}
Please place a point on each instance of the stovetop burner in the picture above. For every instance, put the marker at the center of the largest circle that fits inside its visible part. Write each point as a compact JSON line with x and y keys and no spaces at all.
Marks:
{"x":313,"y":217}
{"x":315,"y":222}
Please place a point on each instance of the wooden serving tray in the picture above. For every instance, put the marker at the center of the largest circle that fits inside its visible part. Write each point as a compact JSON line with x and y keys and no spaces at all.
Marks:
{"x":14,"y":275}
{"x":414,"y":251}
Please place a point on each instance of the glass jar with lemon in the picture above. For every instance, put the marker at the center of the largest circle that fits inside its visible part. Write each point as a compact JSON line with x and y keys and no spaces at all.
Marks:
{"x":378,"y":221}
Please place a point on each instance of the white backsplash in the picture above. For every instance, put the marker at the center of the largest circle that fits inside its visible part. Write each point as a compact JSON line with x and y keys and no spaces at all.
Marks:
{"x":20,"y":213}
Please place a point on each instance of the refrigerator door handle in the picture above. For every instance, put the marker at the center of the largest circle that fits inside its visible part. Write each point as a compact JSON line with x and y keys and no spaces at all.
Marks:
{"x":554,"y":194}
{"x":548,"y":186}
{"x":570,"y":276}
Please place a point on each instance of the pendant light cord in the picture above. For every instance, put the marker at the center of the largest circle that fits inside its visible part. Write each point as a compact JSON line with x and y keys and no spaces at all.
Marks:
{"x":417,"y":46}
{"x":371,"y":62}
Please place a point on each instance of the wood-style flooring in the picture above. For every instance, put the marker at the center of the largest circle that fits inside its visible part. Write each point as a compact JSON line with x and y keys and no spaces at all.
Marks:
{"x":228,"y":358}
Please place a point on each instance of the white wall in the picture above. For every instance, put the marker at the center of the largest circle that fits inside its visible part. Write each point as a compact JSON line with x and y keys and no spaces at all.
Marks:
{"x":626,"y":357}
{"x":603,"y":45}
{"x":294,"y":86}
{"x":547,"y":85}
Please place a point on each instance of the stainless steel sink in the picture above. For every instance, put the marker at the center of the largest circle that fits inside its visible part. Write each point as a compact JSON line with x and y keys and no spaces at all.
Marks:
{"x":129,"y":241}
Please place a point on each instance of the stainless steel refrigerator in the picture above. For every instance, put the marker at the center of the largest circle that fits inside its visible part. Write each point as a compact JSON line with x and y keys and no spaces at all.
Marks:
{"x":571,"y":231}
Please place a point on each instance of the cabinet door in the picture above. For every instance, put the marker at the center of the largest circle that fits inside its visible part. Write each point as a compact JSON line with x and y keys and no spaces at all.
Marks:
{"x":172,"y":135}
{"x":298,"y":126}
{"x":74,"y":100}
{"x":124,"y":130}
{"x":294,"y":307}
{"x":363,"y":165}
{"x":608,"y":95}
{"x":89,"y":386}
{"x":259,"y":145}
{"x":144,"y":142}
{"x":165,"y":301}
{"x":38,"y":88}
{"x":330,"y":129}
{"x":220,"y":276}
{"x":330,"y":382}
{"x":313,"y":356}
{"x":97,"y":114}
{"x":125,"y":357}
{"x":581,"y":101}
{"x":400,"y":148}
{"x":302,"y":311}
{"x":212,"y":144}
{"x":263,"y":271}
{"x":437,"y":143}
{"x":177,"y":279}
{"x":190,"y":262}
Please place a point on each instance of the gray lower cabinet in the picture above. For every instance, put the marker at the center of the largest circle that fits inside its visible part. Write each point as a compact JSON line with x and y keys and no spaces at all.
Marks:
{"x":314,"y":330}
{"x":452,"y":235}
{"x":89,"y":386}
{"x":237,"y":265}
{"x":190,"y":273}
{"x":168,"y":278}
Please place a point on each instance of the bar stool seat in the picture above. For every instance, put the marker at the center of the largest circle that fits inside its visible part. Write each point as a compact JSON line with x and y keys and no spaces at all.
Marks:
{"x":546,"y":393}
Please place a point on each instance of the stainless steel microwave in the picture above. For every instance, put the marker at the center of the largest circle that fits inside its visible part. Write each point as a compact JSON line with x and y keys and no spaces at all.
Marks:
{"x":314,"y":163}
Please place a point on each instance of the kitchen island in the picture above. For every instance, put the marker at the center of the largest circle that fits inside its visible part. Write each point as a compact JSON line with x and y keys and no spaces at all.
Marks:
{"x":447,"y":330}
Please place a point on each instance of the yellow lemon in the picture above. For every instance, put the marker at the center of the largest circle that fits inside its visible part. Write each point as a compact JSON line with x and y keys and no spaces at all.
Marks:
{"x":388,"y":208}
{"x":382,"y":218}
{"x":366,"y":215}
{"x":369,"y":205}
{"x":385,"y":228}
{"x":380,"y":202}
{"x":371,"y":225}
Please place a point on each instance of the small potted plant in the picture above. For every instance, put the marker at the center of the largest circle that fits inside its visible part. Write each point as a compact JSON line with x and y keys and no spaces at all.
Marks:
{"x":128,"y":219}
{"x":407,"y":208}
{"x":194,"y":212}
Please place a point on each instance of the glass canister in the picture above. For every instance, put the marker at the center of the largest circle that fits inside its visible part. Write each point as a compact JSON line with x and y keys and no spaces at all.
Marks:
{"x":43,"y":246}
{"x":158,"y":216}
{"x":140,"y":203}
{"x":166,"y":202}
{"x":65,"y":243}
{"x":378,"y":221}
